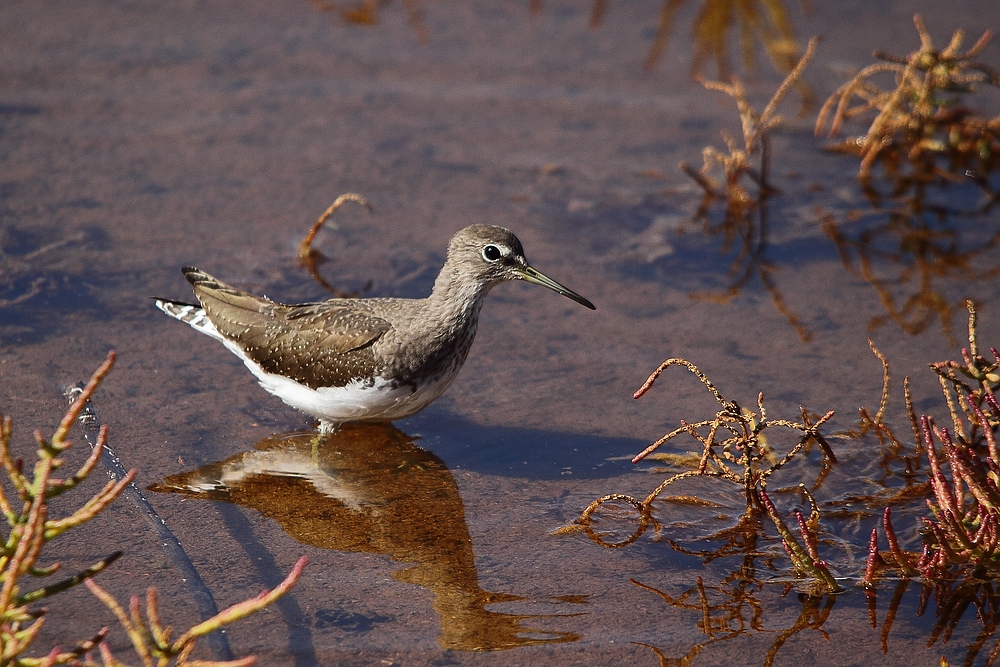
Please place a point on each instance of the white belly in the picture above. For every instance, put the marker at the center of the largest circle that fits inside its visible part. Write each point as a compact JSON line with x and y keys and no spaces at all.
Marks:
{"x":357,"y":401}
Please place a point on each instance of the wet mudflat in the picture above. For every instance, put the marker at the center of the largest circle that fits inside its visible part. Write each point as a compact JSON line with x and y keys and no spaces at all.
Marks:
{"x":138,"y":138}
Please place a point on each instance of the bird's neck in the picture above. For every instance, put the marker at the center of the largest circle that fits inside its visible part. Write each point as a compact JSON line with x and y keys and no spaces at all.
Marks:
{"x":456,"y":299}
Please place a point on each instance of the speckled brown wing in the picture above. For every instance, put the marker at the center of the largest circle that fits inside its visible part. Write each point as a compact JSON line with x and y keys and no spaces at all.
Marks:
{"x":324,"y":344}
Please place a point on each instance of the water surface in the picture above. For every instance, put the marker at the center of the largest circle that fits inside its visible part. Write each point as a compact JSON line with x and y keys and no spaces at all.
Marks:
{"x":137,"y":138}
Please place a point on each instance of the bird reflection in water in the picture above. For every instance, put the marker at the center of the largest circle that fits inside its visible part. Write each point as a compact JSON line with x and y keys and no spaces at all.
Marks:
{"x":367,"y":488}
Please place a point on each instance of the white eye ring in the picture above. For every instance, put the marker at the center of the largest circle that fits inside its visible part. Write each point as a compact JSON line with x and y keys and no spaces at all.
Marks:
{"x":492,"y":253}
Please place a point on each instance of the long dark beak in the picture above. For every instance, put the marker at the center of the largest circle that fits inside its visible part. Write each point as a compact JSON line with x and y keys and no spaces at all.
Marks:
{"x":531,"y":275}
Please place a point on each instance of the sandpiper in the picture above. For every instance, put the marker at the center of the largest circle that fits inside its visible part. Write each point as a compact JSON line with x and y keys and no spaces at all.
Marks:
{"x":381,"y":359}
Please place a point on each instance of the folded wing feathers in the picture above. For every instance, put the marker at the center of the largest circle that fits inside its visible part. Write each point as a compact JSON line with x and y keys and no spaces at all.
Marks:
{"x":282,"y":338}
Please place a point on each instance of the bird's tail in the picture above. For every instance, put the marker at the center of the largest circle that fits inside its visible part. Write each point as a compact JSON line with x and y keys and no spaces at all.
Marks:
{"x":190,"y":314}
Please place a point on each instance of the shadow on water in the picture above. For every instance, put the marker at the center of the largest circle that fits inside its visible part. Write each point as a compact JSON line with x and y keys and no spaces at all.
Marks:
{"x":39,"y":277}
{"x":367,"y":488}
{"x":522,"y":452}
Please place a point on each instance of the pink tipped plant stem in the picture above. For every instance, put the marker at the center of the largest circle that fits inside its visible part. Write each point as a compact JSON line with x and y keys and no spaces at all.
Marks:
{"x":871,"y":566}
{"x":890,"y":535}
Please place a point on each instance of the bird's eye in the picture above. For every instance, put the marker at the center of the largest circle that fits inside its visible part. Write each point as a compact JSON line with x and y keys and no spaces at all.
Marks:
{"x":491,"y":253}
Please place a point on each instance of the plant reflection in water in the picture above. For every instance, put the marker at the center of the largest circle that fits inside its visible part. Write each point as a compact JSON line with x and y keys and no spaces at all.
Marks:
{"x":734,"y":607}
{"x":951,"y":602}
{"x":928,"y":223}
{"x":767,"y":21}
{"x":366,"y":488}
{"x":913,"y":253}
{"x":740,"y":604}
{"x":738,"y":179}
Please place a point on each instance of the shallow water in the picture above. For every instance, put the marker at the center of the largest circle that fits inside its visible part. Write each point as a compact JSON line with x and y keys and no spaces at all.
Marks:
{"x":137,"y":138}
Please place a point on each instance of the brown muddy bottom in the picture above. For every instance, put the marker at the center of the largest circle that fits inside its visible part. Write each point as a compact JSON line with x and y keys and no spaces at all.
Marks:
{"x":140,"y":138}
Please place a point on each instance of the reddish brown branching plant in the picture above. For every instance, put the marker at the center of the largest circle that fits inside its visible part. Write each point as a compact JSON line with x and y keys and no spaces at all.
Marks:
{"x":896,"y":452}
{"x":804,"y":555}
{"x":310,"y":258}
{"x":734,"y":448}
{"x":919,"y":118}
{"x":742,"y":180}
{"x":366,"y":13}
{"x":969,"y":386}
{"x":738,"y":178}
{"x":31,"y":529}
{"x":962,"y":533}
{"x":926,"y":137}
{"x":153,"y":642}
